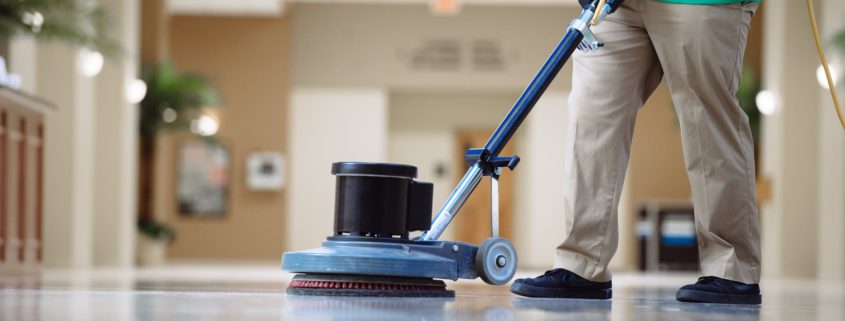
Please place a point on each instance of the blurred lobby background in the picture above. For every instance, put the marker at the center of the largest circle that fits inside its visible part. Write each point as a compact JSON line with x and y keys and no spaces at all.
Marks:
{"x":249,"y":102}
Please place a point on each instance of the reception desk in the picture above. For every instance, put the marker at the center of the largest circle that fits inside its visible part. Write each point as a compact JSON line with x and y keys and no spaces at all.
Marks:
{"x":21,"y":180}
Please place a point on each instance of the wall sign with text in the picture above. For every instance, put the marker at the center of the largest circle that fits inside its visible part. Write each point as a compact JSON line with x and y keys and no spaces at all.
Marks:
{"x":445,"y":54}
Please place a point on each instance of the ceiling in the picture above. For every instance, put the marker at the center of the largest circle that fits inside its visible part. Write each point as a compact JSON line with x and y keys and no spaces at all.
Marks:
{"x":277,"y":7}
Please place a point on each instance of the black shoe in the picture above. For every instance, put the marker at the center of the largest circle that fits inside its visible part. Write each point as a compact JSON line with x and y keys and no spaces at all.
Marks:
{"x":710,"y":289}
{"x":560,"y":283}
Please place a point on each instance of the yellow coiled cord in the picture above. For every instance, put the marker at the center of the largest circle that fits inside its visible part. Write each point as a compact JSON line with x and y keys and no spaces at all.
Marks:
{"x":597,"y":14}
{"x":823,"y":59}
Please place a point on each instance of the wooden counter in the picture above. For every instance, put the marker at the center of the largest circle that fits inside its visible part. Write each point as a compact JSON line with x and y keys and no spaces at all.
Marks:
{"x":21,"y":179}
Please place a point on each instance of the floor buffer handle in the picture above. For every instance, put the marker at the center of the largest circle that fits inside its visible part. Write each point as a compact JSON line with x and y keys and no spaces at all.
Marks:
{"x":578,"y":36}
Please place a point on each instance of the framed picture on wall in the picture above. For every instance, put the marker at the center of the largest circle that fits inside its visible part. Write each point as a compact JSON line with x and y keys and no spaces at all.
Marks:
{"x":203,"y":182}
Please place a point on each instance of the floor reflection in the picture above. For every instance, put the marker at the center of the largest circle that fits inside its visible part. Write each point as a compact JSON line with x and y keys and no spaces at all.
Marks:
{"x":592,"y":310}
{"x":346,"y":308}
{"x":165,"y":298}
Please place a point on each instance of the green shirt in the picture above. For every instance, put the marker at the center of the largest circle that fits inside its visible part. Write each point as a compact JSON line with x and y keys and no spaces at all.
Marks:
{"x":706,"y":1}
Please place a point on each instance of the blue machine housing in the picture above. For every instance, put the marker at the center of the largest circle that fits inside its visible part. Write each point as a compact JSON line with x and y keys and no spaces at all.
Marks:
{"x":419,"y":259}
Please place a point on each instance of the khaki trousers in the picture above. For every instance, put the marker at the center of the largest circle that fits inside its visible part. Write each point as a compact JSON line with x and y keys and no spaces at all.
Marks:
{"x":699,"y":50}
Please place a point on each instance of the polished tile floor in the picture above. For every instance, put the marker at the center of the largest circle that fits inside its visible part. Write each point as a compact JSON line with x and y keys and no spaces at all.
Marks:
{"x":203,"y":292}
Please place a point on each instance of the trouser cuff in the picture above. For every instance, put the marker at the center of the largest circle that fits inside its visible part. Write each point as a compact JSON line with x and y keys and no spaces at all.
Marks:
{"x":582,"y":266}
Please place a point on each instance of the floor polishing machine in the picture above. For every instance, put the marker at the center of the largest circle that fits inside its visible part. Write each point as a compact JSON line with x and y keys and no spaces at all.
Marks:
{"x":378,"y":205}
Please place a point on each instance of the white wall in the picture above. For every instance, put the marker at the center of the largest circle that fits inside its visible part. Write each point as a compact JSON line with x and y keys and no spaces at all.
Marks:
{"x":90,"y":146}
{"x":68,"y":158}
{"x":343,"y":45}
{"x":803,"y":150}
{"x":831,"y":171}
{"x":423,"y":125}
{"x":425,"y":137}
{"x":422,"y":133}
{"x":538,"y":219}
{"x":328,"y":125}
{"x":788,"y":146}
{"x":427,"y":150}
{"x":23,"y":60}
{"x":116,"y":141}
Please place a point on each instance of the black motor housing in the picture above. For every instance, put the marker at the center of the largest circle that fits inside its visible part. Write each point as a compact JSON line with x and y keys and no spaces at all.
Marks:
{"x":380,"y":200}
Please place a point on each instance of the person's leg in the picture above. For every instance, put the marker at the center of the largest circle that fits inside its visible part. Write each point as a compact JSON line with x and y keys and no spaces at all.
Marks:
{"x":608,"y":88}
{"x":701,"y":49}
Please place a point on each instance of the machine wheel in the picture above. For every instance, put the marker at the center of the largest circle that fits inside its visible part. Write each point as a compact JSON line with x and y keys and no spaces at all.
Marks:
{"x":496,"y":261}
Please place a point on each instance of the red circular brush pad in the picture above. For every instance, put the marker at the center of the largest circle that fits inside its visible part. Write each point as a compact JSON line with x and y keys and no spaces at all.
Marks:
{"x":354,"y":285}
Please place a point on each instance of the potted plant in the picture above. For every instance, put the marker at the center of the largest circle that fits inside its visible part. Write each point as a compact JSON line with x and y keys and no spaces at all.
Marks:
{"x":153,"y":238}
{"x":172,"y":102}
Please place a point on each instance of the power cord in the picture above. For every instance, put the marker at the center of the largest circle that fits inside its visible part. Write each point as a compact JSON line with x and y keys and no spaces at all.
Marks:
{"x":833,"y":95}
{"x":597,"y":14}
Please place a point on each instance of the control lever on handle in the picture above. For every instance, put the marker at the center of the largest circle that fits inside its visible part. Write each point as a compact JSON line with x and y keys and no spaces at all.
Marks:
{"x":589,"y":18}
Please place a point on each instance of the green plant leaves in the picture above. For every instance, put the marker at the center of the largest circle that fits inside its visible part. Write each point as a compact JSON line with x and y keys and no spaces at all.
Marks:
{"x":839,"y":40}
{"x":64,"y":20}
{"x":157,"y":230}
{"x":186,"y":94}
{"x":746,"y":95}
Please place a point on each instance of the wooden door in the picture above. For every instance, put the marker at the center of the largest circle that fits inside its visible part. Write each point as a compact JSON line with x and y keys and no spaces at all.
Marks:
{"x":472,"y":224}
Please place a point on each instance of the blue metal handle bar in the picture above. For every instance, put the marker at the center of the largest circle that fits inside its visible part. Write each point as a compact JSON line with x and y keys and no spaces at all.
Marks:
{"x":571,"y":40}
{"x":533,"y":92}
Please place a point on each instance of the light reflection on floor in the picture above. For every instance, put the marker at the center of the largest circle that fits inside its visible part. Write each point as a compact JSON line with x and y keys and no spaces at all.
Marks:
{"x":238,"y":293}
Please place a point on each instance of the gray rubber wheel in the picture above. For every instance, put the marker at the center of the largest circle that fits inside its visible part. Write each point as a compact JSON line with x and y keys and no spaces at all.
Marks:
{"x":496,"y":261}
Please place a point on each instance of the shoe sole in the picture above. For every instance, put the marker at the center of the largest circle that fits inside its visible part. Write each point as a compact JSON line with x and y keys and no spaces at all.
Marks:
{"x":710,"y":297}
{"x":540,"y":292}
